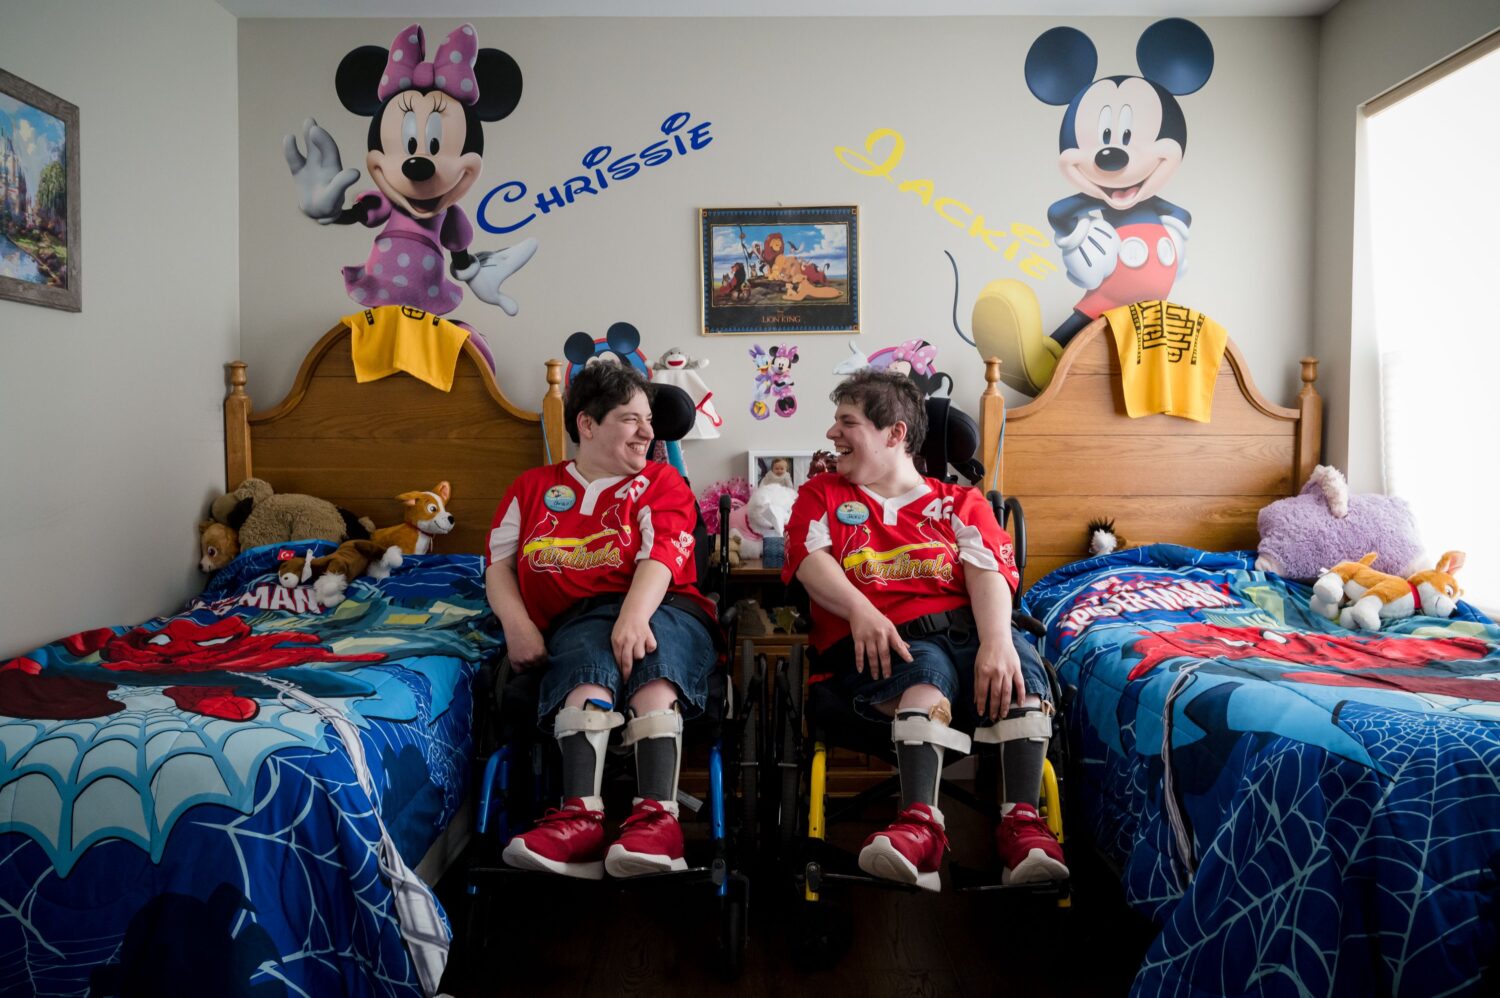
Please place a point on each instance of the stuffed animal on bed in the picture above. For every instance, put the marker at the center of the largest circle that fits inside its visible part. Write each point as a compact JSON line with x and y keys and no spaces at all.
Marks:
{"x":331,"y":573}
{"x":1105,"y":539}
{"x":254,"y":514}
{"x":426,"y":516}
{"x":1323,"y":525}
{"x":1361,"y":598}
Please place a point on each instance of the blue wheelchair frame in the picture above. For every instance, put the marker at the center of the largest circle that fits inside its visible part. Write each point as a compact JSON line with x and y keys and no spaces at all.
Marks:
{"x":733,"y":720}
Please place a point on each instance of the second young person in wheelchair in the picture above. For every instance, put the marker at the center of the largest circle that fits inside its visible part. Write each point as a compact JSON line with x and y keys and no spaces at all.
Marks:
{"x":911,"y":582}
{"x":591,"y":572}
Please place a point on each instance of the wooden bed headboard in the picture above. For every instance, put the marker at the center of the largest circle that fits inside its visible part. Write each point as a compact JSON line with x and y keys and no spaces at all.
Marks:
{"x":1072,"y":454}
{"x":359,"y":445}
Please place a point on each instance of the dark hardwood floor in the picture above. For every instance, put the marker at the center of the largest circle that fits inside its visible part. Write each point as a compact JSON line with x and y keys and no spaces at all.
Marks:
{"x":546,"y":938}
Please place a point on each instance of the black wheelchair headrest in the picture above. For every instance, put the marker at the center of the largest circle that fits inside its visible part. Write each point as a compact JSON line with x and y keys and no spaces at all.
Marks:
{"x":952,"y":439}
{"x":672,"y":412}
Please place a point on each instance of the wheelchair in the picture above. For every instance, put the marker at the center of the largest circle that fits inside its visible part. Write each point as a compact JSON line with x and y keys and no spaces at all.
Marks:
{"x":811,"y":718}
{"x":522,"y":771}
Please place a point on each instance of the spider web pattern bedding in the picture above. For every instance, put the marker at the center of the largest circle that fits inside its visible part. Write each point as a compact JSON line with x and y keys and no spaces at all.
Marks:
{"x":227,"y":800}
{"x":1303,"y":809}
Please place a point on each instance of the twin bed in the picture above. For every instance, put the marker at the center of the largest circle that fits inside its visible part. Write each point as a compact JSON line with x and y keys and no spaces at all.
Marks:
{"x":245,"y":797}
{"x":1302,"y":809}
{"x":241,"y":791}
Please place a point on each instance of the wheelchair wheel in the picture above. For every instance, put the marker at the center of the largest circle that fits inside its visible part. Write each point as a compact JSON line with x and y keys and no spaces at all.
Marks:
{"x":750,"y":776}
{"x":733,"y":931}
{"x":821,"y":934}
{"x":789,"y":719}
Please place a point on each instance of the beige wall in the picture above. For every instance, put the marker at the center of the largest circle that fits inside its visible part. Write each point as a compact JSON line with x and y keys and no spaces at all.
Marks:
{"x":1367,"y":47}
{"x":110,"y":438}
{"x":780,"y":101}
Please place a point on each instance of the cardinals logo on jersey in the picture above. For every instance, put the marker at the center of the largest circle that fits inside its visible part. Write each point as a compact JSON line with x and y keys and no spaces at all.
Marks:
{"x":868,"y":565}
{"x":544,"y":552}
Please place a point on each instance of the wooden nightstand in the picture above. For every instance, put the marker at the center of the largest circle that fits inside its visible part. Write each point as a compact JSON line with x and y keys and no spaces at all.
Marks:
{"x":848,"y":772}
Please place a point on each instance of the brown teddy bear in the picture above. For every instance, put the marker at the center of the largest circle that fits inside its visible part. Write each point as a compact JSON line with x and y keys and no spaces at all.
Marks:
{"x":254,"y":514}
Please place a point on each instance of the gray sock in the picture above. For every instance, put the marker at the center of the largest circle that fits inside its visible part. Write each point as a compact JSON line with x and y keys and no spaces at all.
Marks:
{"x":655,"y":767}
{"x":920,"y":765}
{"x":579,"y":766}
{"x":1021,"y":764}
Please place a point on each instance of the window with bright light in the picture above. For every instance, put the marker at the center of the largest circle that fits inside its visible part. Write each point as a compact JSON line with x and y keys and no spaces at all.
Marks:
{"x":1433,"y":158}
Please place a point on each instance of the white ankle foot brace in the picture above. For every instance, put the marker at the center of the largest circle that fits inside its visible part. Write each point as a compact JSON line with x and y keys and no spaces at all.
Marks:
{"x":594,"y":726}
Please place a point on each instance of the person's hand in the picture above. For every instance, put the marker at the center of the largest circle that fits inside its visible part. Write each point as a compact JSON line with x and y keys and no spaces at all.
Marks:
{"x":631,"y":640}
{"x":997,"y":679}
{"x":875,"y":637}
{"x":525,"y":646}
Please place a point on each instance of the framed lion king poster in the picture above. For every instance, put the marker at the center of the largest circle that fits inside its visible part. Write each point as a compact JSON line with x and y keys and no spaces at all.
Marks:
{"x":779,"y":270}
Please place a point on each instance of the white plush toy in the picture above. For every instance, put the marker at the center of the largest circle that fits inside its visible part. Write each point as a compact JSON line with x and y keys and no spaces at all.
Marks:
{"x":767,"y":513}
{"x":677,"y":368}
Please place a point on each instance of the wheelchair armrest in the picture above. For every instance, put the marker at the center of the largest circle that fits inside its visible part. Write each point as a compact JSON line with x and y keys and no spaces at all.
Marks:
{"x":1013,"y":521}
{"x":1029,"y":624}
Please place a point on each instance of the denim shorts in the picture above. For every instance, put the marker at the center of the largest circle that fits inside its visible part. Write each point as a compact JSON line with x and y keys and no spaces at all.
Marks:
{"x":580,"y":653}
{"x":940,"y":661}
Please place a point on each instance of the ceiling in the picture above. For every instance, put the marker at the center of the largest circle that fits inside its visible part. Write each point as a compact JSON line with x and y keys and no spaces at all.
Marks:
{"x":771,"y":8}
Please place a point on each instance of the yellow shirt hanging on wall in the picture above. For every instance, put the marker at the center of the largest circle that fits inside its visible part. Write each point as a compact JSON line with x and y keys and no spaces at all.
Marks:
{"x":1169,"y":358}
{"x":395,"y":338}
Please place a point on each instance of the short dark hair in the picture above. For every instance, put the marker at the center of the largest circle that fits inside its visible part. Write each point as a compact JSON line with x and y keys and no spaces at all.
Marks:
{"x":887,"y":398}
{"x":599,"y":388}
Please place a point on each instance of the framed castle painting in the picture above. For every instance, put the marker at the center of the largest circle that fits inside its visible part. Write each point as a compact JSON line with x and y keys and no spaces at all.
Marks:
{"x":39,"y":203}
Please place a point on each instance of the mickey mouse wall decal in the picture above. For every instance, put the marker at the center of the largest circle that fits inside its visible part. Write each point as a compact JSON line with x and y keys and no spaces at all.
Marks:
{"x":1122,"y":141}
{"x":425,"y":151}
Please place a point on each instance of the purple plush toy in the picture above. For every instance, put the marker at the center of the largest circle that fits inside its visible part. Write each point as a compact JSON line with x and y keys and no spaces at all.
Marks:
{"x":1304,"y":536}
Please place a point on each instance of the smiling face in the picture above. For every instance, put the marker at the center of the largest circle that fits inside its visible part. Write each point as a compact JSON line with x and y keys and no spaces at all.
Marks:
{"x":866,"y":453}
{"x":616,"y":444}
{"x":1119,"y":158}
{"x":420,"y":165}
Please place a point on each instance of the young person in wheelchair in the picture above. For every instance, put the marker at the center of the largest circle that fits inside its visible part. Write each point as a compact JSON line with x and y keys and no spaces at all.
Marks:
{"x":591,"y":572}
{"x":911,"y":581}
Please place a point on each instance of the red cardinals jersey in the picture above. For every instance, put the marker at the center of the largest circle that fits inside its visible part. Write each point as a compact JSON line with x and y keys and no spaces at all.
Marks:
{"x":574,"y":539}
{"x":905,"y":554}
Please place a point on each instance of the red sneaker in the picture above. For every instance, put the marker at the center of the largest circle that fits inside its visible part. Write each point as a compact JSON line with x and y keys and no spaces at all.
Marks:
{"x":650,"y":841}
{"x":569,"y":841}
{"x":1027,"y":847}
{"x":910,"y":850}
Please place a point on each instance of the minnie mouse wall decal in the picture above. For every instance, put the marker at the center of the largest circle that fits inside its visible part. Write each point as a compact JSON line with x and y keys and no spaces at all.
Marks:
{"x":425,"y":151}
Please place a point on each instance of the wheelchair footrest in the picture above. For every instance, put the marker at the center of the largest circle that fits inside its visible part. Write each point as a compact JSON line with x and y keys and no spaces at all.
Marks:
{"x":704,"y":874}
{"x":974,"y":880}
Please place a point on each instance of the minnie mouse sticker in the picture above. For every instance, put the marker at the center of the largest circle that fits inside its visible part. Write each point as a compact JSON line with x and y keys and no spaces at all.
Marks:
{"x":425,"y":150}
{"x":917,"y":359}
{"x":775,"y":391}
{"x":1122,"y":141}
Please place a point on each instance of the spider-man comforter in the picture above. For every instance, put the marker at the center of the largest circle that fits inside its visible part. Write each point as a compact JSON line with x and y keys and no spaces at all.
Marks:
{"x":227,"y":801}
{"x":1325,"y":815}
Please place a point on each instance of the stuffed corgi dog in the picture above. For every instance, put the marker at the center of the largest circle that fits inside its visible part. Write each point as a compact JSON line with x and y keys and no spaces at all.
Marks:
{"x":331,"y":573}
{"x":426,"y":517}
{"x":1360,"y":598}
